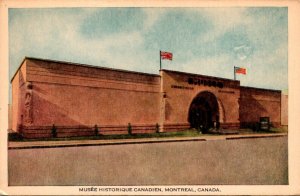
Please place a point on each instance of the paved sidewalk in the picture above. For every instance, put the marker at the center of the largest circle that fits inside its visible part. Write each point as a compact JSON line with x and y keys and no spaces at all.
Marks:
{"x":73,"y":143}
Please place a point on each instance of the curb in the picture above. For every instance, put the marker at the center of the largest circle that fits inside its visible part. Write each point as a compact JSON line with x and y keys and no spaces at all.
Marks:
{"x":248,"y":137}
{"x":14,"y":145}
{"x":103,"y":143}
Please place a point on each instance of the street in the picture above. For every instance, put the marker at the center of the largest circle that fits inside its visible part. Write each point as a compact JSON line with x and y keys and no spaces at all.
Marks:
{"x":254,"y":161}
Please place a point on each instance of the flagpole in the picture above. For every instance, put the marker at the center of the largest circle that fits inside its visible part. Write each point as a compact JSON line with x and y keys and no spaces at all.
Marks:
{"x":159,"y":60}
{"x":234,"y":73}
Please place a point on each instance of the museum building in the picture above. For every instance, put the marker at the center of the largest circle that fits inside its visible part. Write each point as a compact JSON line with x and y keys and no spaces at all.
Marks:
{"x":74,"y":100}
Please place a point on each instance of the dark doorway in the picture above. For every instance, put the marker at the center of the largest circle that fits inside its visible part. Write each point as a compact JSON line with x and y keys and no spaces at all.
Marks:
{"x":204,"y":112}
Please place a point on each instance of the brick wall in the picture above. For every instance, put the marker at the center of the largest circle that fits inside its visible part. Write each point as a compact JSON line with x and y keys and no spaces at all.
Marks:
{"x":180,"y":94}
{"x":75,"y":95}
{"x":256,"y":103}
{"x":284,"y":109}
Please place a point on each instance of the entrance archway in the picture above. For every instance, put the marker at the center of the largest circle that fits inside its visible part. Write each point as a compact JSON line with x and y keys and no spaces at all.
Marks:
{"x":204,"y":112}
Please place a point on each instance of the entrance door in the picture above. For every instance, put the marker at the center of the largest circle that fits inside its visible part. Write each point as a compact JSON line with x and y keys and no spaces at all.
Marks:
{"x":204,"y":111}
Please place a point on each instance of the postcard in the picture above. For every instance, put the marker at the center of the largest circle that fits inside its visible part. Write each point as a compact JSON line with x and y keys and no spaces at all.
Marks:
{"x":149,"y":98}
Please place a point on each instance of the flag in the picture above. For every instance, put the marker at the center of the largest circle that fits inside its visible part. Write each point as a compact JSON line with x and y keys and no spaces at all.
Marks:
{"x":166,"y":55}
{"x":240,"y":70}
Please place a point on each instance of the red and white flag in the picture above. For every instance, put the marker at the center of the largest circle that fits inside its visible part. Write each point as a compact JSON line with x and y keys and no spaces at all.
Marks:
{"x":240,"y":70}
{"x":166,"y":55}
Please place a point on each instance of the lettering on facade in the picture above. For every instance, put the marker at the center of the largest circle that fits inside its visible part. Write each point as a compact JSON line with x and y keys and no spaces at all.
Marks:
{"x":182,"y":87}
{"x":198,"y":81}
{"x":228,"y":92}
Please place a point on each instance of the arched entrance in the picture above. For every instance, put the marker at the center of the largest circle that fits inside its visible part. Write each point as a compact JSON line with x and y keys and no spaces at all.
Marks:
{"x":204,"y":112}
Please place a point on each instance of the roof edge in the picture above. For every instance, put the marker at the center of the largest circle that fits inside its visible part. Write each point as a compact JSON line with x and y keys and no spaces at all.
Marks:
{"x":91,"y":66}
{"x":80,"y":64}
{"x":194,"y":74}
{"x":134,"y":72}
{"x":264,"y":89}
{"x":18,"y":69}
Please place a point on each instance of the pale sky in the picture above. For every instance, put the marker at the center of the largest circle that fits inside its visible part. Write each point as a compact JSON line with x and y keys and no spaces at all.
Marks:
{"x":207,"y":41}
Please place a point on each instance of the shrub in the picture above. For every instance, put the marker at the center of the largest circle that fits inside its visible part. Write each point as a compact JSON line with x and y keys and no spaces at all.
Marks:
{"x":129,"y":128}
{"x":96,"y":130}
{"x":157,"y":128}
{"x":54,"y":131}
{"x":15,"y":136}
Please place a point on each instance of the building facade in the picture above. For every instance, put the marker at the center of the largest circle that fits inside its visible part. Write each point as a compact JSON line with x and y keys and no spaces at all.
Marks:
{"x":75,"y":99}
